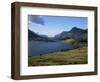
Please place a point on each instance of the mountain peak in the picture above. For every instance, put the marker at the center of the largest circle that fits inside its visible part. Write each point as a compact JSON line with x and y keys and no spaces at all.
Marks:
{"x":76,"y":30}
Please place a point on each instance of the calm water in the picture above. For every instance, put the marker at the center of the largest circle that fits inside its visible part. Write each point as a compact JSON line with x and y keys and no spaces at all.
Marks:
{"x":37,"y":48}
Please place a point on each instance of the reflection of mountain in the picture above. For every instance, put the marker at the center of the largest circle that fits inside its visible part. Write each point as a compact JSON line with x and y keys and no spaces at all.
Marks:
{"x":75,"y":33}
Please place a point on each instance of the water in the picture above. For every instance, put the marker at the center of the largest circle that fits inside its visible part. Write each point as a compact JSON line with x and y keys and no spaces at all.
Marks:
{"x":37,"y":48}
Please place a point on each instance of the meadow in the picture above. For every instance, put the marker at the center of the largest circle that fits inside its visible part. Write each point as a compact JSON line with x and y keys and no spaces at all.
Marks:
{"x":65,"y":57}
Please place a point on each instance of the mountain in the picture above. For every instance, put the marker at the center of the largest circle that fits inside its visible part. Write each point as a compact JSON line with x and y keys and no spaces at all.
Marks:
{"x":74,"y":33}
{"x":35,"y":37}
{"x":77,"y":30}
{"x":32,"y":35}
{"x":45,"y":36}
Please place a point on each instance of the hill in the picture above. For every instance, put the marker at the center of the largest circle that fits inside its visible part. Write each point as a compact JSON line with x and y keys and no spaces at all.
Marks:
{"x":75,"y":33}
{"x":35,"y":37}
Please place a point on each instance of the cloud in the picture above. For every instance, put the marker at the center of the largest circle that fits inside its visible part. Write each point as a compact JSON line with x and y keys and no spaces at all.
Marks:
{"x":36,"y":19}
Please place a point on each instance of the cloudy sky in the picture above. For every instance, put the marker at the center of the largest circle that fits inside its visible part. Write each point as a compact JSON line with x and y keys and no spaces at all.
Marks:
{"x":52,"y":25}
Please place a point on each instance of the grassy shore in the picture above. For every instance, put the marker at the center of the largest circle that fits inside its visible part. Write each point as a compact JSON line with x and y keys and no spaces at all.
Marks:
{"x":67,"y":57}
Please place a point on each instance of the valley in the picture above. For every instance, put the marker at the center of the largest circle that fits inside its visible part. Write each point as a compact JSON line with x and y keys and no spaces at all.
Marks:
{"x":67,"y":47}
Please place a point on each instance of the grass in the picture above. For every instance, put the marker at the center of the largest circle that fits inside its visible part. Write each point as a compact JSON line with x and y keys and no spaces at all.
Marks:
{"x":71,"y":41}
{"x":75,"y":56}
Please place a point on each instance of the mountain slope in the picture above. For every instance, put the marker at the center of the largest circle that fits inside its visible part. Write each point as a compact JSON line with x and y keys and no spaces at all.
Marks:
{"x":77,"y":30}
{"x":35,"y":37}
{"x":74,"y":33}
{"x":32,"y":35}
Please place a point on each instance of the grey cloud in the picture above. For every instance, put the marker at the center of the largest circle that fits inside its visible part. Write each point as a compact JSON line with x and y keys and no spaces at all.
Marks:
{"x":36,"y":19}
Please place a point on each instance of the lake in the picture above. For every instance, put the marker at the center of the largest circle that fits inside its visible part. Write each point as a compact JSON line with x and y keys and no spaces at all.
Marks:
{"x":37,"y":48}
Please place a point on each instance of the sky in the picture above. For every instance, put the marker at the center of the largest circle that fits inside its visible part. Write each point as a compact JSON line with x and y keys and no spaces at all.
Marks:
{"x":53,"y":25}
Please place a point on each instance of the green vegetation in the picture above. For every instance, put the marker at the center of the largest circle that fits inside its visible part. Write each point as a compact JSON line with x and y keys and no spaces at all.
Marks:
{"x":75,"y":56}
{"x":82,"y":42}
{"x":71,"y":41}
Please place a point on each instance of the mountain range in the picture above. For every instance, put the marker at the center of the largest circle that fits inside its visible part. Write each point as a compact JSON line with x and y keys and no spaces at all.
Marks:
{"x":74,"y":33}
{"x":36,"y":37}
